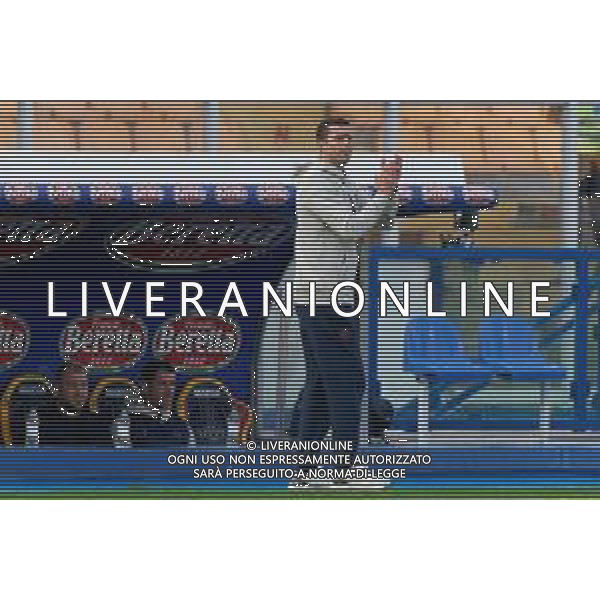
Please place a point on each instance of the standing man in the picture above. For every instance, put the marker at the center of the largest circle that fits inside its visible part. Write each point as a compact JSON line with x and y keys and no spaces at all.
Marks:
{"x":334,"y":217}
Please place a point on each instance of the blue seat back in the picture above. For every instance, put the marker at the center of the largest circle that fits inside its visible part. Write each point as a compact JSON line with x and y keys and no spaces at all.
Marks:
{"x":508,"y":339}
{"x":432,"y":339}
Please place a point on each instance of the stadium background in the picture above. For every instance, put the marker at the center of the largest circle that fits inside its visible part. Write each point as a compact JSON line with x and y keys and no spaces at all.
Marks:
{"x":520,"y":145}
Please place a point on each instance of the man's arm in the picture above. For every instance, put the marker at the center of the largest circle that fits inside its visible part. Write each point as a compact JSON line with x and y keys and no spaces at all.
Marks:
{"x":351,"y":228}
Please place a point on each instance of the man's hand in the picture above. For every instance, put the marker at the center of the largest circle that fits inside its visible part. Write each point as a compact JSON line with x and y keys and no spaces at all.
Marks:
{"x":388,"y":177}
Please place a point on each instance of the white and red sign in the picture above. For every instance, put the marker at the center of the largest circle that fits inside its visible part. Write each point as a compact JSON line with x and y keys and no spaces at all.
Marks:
{"x":18,"y":194}
{"x":104,"y":194}
{"x":196,"y":342}
{"x":63,"y":194}
{"x":231,"y":195}
{"x":189,"y":195}
{"x":147,"y":194}
{"x":272,"y":195}
{"x":14,"y":339}
{"x":437,"y":195}
{"x":22,"y":240}
{"x":104,"y":341}
{"x":479,"y":196}
{"x":403,"y":195}
{"x":181,"y":243}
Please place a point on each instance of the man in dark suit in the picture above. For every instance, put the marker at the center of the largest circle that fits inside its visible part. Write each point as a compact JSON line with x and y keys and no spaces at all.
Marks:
{"x":335,"y":216}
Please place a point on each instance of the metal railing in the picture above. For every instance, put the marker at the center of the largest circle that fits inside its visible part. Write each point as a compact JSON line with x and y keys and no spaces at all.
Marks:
{"x":578,"y":300}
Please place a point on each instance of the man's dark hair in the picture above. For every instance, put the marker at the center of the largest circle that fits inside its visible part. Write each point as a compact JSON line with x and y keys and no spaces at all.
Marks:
{"x":323,"y":126}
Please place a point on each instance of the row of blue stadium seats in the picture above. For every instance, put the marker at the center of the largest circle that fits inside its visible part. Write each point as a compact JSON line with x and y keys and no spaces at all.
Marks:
{"x":508,"y":346}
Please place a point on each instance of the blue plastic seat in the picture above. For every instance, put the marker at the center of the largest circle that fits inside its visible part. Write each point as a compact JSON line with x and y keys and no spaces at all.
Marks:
{"x":509,"y":346}
{"x":433,"y":350}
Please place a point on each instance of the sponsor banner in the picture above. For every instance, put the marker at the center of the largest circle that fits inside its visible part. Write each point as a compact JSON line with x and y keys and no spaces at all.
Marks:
{"x":147,"y":195}
{"x":196,"y":342}
{"x":190,"y":195}
{"x":437,"y":195}
{"x":404,"y":195}
{"x":231,"y":195}
{"x":104,"y":341}
{"x":272,"y":195}
{"x":145,"y":225}
{"x":14,"y":339}
{"x":61,"y":194}
{"x":412,"y":199}
{"x":105,"y":194}
{"x":180,"y":243}
{"x":21,"y":240}
{"x":479,"y":196}
{"x":19,"y":194}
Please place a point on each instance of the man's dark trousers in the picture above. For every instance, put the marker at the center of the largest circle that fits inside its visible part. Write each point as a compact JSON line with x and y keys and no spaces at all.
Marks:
{"x":335,"y":381}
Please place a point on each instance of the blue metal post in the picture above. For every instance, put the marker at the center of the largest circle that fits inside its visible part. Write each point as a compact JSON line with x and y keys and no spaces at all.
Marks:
{"x":392,"y":122}
{"x":24,"y":125}
{"x":211,"y":126}
{"x":372,"y":341}
{"x":580,"y":387}
{"x":436,"y":276}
